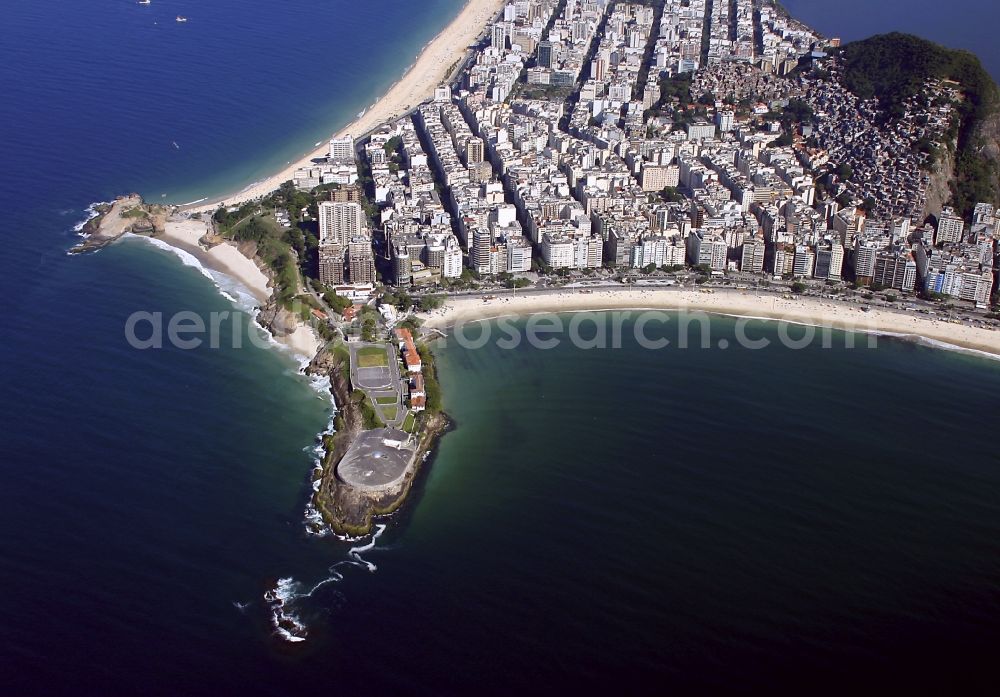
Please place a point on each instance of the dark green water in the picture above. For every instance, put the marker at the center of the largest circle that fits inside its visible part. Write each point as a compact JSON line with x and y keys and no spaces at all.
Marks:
{"x":598,"y":520}
{"x":694,"y":519}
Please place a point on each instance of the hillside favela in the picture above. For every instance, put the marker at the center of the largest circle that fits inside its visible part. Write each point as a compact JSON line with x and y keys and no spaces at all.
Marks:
{"x":617,"y":344}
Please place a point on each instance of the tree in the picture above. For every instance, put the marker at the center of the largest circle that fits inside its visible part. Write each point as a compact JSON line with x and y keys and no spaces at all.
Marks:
{"x":797,"y":111}
{"x":368,"y":326}
{"x":431,"y":302}
{"x":392,"y":145}
{"x":798,"y":287}
{"x":782,"y":141}
{"x":670,"y":194}
{"x":403,"y":300}
{"x":411,"y":323}
{"x":338,"y":303}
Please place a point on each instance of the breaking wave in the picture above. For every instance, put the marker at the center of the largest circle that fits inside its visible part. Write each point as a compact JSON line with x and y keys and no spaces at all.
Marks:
{"x":285,"y":599}
{"x":92,"y":213}
{"x":286,"y":623}
{"x":231,"y":289}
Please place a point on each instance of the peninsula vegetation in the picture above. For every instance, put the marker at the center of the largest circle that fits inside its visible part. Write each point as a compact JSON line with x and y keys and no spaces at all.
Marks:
{"x":894,"y":67}
{"x":282,"y":232}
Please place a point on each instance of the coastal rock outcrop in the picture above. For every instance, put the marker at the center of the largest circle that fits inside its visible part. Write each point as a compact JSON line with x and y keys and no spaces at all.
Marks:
{"x":349,"y":510}
{"x":125,"y":214}
{"x":277,"y":320}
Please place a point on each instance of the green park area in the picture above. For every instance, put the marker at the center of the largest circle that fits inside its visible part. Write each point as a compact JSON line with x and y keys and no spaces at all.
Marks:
{"x":372,"y":357}
{"x":409,"y":422}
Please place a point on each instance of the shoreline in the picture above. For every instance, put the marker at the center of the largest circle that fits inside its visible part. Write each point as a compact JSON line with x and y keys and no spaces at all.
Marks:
{"x":747,"y":305}
{"x":431,"y":66}
{"x":226,"y":258}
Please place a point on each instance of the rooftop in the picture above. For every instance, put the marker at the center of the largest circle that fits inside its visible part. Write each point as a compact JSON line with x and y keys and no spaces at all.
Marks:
{"x":377,"y":459}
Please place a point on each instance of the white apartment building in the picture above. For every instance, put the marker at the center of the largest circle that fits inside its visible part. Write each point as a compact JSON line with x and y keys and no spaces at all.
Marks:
{"x":342,"y":148}
{"x":340,"y":222}
{"x":950,"y":227}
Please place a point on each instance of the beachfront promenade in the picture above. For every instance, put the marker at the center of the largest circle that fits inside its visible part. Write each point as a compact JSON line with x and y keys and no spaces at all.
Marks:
{"x":859,"y":315}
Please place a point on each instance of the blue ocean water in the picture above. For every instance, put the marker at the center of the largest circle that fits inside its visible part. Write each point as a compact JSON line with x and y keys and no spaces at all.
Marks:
{"x":596,"y":519}
{"x":966,"y":24}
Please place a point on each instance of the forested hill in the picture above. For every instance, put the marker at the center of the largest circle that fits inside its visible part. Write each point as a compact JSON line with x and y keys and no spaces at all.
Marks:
{"x":894,"y":67}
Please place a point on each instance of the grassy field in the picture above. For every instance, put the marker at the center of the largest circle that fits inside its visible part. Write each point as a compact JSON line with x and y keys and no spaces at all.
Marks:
{"x":388,"y":413}
{"x":385,"y":400}
{"x":372,"y":357}
{"x":409,"y":422}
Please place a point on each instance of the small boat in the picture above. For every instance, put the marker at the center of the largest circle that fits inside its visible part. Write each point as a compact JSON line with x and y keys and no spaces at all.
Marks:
{"x":181,"y":19}
{"x":144,"y":2}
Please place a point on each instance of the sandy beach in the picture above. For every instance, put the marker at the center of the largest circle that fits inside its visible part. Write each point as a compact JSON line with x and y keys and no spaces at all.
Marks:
{"x":812,"y":311}
{"x":226,"y":258}
{"x":430,"y":68}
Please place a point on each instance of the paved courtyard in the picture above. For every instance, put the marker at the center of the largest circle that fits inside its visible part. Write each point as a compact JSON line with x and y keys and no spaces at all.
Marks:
{"x":377,"y":459}
{"x":382,"y":383}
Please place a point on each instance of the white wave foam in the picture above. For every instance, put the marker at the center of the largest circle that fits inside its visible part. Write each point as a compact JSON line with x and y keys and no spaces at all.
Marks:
{"x":938,"y":344}
{"x":191,"y":203}
{"x":287,"y":592}
{"x":231,"y":289}
{"x":915,"y":338}
{"x":92,"y":213}
{"x":243,"y":299}
{"x":312,"y":519}
{"x":335,"y":576}
{"x":286,"y":623}
{"x":355,"y":552}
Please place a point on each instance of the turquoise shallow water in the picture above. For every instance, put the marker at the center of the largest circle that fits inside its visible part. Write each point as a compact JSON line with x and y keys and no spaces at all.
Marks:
{"x":595,"y":520}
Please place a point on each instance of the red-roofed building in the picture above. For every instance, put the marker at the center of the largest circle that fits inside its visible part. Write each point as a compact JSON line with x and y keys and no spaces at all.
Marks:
{"x":409,"y":350}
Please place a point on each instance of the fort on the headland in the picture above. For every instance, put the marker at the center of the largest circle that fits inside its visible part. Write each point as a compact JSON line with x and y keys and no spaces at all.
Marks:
{"x":691,"y":141}
{"x":618,"y":144}
{"x":384,"y":428}
{"x":378,"y":461}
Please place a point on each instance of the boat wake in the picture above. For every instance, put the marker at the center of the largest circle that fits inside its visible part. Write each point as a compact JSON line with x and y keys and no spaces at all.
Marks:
{"x":286,"y":599}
